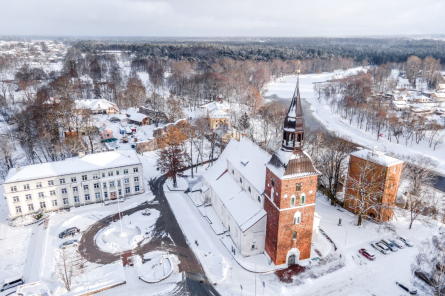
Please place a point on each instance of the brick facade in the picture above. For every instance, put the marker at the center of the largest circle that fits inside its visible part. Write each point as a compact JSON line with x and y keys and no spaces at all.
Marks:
{"x":280,"y":216}
{"x":389,"y":190}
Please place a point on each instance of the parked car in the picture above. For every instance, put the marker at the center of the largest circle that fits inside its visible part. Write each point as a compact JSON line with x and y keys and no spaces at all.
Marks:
{"x":69,"y":232}
{"x":12,"y":282}
{"x":367,"y":254}
{"x":69,"y":243}
{"x":380,"y":247}
{"x":399,"y":244}
{"x":405,"y":241}
{"x":405,"y":287}
{"x":390,"y":245}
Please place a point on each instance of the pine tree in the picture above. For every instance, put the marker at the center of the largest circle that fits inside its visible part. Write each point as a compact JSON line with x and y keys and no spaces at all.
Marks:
{"x":244,"y":122}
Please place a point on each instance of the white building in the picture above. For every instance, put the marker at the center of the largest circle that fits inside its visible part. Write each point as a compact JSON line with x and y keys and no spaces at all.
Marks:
{"x":73,"y":182}
{"x":97,"y":106}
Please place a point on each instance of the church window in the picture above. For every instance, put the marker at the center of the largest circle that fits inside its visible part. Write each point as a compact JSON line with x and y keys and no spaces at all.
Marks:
{"x":271,"y":193}
{"x":273,"y":182}
{"x":292,"y":201}
{"x":240,"y":180}
{"x":250,"y":190}
{"x":303,"y":199}
{"x":298,"y":187}
{"x":233,"y":172}
{"x":294,"y":236}
{"x":259,"y":199}
{"x":297,"y":218}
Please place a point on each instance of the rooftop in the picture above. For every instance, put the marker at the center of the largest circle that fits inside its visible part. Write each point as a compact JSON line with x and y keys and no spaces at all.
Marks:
{"x":377,"y":157}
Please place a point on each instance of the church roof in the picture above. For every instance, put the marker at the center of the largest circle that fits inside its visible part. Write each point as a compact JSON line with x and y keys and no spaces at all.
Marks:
{"x":294,"y":120}
{"x":287,"y":164}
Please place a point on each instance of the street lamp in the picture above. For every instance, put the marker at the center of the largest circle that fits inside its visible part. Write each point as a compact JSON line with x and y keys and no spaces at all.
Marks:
{"x":120,"y":217}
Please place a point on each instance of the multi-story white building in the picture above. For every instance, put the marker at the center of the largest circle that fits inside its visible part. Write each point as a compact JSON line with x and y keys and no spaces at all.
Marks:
{"x":73,"y":182}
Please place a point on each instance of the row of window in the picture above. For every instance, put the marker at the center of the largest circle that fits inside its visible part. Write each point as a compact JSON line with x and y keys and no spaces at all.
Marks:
{"x":76,"y":199}
{"x":73,"y":179}
{"x":250,"y":189}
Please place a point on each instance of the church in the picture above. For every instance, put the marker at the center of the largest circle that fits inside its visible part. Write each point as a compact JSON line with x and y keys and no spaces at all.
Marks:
{"x":267,"y":203}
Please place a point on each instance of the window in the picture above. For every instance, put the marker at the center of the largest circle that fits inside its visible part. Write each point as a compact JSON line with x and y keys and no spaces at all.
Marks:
{"x":136,"y":188}
{"x":41,"y":194}
{"x":13,"y":188}
{"x":43,"y":205}
{"x":297,"y":218}
{"x":18,"y":209}
{"x":298,"y":187}
{"x":84,"y":177}
{"x":16,"y":199}
{"x":303,"y":199}
{"x":127,"y":180}
{"x":395,"y":170}
{"x":103,"y":175}
{"x":75,"y":189}
{"x":273,"y":182}
{"x":136,"y":179}
{"x":65,"y":201}
{"x":105,"y":185}
{"x":118,"y":182}
{"x":250,"y":189}
{"x":105,"y":194}
{"x":292,"y":201}
{"x":125,"y":171}
{"x":26,"y":187}
{"x":392,"y":185}
{"x":240,"y":180}
{"x":97,"y":195}
{"x":233,"y":172}
{"x":85,"y":187}
{"x":110,"y":174}
{"x":31,"y":207}
{"x":62,"y":181}
{"x":120,"y":192}
{"x":54,"y":203}
{"x":50,"y":183}
{"x":117,"y":173}
{"x":127,"y":189}
{"x":135,"y":170}
{"x":294,"y":236}
{"x":39,"y":185}
{"x":87,"y":197}
{"x":76,"y":199}
{"x":96,"y":185}
{"x":74,"y":179}
{"x":28,"y":196}
{"x":95,"y":176}
{"x":112,"y":184}
{"x":259,"y":199}
{"x":271,"y":193}
{"x":53,"y":192}
{"x":64,"y":190}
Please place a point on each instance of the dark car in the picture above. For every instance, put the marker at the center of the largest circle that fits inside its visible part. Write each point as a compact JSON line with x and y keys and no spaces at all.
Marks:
{"x":69,"y":232}
{"x":367,"y":254}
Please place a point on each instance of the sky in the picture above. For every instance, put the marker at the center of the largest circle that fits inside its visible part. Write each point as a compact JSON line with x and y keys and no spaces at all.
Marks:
{"x":222,"y":18}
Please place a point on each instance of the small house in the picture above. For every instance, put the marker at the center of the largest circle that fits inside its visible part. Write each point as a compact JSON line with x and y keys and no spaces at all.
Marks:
{"x":438,"y":97}
{"x":107,"y":134}
{"x":139,"y":119}
{"x":399,"y":105}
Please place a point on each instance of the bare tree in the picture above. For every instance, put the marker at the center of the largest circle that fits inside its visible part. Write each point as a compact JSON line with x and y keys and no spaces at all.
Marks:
{"x":413,"y":65}
{"x":69,"y":265}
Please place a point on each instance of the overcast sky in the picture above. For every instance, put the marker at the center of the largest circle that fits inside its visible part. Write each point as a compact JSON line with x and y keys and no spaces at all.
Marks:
{"x":275,"y":18}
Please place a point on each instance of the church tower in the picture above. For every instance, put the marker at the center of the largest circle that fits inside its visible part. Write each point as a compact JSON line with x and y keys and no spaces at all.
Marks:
{"x":291,"y":186}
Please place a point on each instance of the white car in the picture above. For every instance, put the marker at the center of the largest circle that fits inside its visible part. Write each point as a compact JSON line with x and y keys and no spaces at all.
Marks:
{"x":69,"y":243}
{"x":405,"y":241}
{"x":390,"y":245}
{"x":399,"y":244}
{"x":380,"y":247}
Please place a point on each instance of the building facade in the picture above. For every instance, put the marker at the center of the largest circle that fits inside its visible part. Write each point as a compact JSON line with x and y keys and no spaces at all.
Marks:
{"x":381,"y":173}
{"x":91,"y":179}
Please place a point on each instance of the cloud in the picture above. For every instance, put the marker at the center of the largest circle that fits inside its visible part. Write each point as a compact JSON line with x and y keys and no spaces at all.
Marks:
{"x":221,"y":18}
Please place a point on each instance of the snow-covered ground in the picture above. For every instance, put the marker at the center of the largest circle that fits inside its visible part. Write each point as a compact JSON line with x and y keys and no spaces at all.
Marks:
{"x":285,"y":87}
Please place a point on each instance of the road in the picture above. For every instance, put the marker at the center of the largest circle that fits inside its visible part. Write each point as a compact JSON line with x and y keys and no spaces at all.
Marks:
{"x":195,"y":281}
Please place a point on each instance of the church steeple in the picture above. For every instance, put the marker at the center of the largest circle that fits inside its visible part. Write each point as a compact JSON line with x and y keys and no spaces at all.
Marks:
{"x":293,"y":129}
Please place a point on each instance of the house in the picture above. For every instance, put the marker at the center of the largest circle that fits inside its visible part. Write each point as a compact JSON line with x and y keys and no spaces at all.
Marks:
{"x":441,"y":87}
{"x":267,"y":203}
{"x":217,"y":114}
{"x":155,"y":116}
{"x":438,"y":97}
{"x":96,"y":106}
{"x":139,"y":119}
{"x":73,"y":182}
{"x":107,"y":134}
{"x":382,"y":174}
{"x":399,"y":105}
{"x":421,"y":99}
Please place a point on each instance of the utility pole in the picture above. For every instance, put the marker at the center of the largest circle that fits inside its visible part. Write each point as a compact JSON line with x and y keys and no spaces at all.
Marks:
{"x":120,"y":217}
{"x":255,"y":276}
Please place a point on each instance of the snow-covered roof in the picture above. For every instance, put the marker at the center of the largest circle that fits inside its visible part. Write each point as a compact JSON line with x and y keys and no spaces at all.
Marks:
{"x":138,"y":117}
{"x":400,"y":103}
{"x":34,"y":289}
{"x":90,"y":162}
{"x":219,"y":114}
{"x":250,"y":160}
{"x":300,"y":165}
{"x":377,"y":157}
{"x":94,"y":104}
{"x":220,"y":165}
{"x":131,"y":110}
{"x":439,"y":95}
{"x":244,"y":210}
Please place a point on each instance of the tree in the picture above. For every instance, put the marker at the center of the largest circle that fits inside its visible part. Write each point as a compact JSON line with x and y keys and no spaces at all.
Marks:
{"x":412,"y":68}
{"x":417,"y":172}
{"x":173,"y":156}
{"x":69,"y":265}
{"x":244,"y":122}
{"x":430,"y":262}
{"x":174,"y":108}
{"x":421,"y":206}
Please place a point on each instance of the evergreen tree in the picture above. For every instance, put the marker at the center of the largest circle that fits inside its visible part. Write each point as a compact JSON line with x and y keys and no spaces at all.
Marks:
{"x":244,"y":122}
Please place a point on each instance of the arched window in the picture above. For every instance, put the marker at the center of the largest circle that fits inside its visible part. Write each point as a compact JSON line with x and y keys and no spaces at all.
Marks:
{"x":259,"y":199}
{"x":240,"y":180}
{"x":292,"y":201}
{"x":273,"y":182}
{"x":303,"y":199}
{"x":297,"y":218}
{"x":250,"y":189}
{"x":294,"y":236}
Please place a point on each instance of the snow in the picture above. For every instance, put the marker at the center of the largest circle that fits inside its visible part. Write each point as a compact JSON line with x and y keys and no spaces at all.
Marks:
{"x":139,"y":117}
{"x":90,"y":162}
{"x":157,"y":269}
{"x":95,"y":104}
{"x":244,"y":210}
{"x":377,"y":157}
